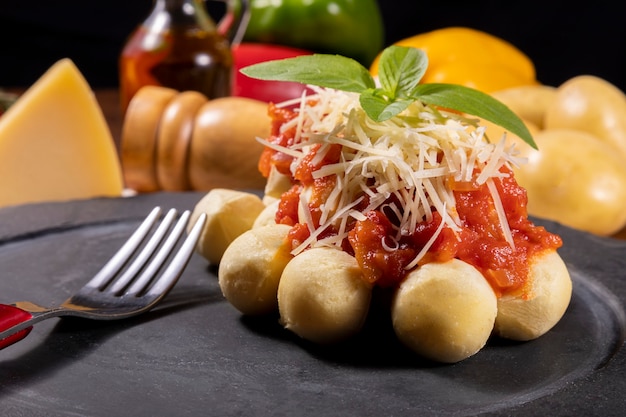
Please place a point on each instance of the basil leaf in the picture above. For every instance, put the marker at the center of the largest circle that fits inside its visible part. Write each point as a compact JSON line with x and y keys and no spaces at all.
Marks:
{"x":380,"y":109}
{"x":329,"y":71}
{"x":476,"y":103}
{"x":401,"y":69}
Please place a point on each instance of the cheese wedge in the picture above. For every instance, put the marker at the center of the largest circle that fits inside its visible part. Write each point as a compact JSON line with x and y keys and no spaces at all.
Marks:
{"x":55,"y":144}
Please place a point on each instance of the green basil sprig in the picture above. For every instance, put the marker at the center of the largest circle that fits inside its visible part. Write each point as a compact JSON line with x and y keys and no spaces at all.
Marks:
{"x":400,"y":71}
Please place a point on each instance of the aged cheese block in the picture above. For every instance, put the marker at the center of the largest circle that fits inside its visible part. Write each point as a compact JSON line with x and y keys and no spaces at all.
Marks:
{"x":55,"y":144}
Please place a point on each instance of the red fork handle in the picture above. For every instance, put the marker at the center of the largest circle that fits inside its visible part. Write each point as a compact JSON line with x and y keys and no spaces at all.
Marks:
{"x":11,"y":316}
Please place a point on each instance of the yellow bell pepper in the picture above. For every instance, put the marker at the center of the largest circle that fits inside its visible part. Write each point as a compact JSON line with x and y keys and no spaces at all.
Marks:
{"x":469,"y":57}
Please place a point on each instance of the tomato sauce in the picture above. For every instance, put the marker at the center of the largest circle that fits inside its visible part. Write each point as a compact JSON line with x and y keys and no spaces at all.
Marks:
{"x":479,"y":242}
{"x":270,"y":157}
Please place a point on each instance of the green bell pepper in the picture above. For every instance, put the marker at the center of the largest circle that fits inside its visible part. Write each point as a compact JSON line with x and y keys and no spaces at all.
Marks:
{"x":352,"y":28}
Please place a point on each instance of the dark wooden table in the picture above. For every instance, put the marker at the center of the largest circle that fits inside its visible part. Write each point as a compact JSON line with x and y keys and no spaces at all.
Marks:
{"x":109,"y":100}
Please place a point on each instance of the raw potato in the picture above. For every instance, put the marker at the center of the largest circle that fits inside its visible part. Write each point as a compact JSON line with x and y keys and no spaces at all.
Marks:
{"x":224,"y":151}
{"x":590,"y":104}
{"x":575,"y":179}
{"x":529,"y":102}
{"x":322,"y":296}
{"x":229,"y":214}
{"x":251,"y":269}
{"x":444,"y":311}
{"x":495,"y":132}
{"x":551,"y":291}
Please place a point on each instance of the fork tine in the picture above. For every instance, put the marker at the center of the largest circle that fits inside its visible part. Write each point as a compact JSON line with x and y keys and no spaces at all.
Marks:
{"x":118,"y":260}
{"x":174,"y":270}
{"x":122,"y":282}
{"x":157,"y":262}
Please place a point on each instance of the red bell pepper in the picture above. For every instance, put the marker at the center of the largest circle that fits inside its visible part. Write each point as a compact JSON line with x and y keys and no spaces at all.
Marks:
{"x":246,"y":54}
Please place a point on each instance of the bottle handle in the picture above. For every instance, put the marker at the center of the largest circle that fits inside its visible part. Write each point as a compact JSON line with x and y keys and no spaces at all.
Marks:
{"x":234,"y":23}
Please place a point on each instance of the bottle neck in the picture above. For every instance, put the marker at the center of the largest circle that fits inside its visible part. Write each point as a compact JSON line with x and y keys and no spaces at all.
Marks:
{"x":181,"y":13}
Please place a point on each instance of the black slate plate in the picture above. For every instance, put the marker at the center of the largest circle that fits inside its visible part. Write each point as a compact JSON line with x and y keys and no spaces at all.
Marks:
{"x":196,"y":355}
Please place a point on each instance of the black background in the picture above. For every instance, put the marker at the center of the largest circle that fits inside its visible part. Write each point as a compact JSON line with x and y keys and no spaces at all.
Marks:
{"x":562,"y":40}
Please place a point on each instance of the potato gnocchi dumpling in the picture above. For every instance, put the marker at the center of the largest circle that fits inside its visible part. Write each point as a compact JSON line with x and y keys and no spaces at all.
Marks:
{"x":251,"y":267}
{"x":322,"y":296}
{"x":229,"y":214}
{"x":550,"y":293}
{"x":444,"y":311}
{"x":423,"y":205}
{"x":276,"y":185}
{"x":268,"y":215}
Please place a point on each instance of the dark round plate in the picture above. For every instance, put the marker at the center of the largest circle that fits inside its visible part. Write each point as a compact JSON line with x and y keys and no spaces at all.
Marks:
{"x":196,"y":355}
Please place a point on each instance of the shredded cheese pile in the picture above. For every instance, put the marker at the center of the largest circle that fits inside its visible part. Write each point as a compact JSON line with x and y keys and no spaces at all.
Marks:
{"x":412,"y":156}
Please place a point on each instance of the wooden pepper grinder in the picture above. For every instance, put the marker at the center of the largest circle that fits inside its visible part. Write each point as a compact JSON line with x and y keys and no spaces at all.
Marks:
{"x":181,"y":47}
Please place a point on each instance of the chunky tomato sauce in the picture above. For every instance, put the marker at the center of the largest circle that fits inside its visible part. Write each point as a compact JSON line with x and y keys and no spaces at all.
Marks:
{"x":270,"y":157}
{"x":383,"y":260}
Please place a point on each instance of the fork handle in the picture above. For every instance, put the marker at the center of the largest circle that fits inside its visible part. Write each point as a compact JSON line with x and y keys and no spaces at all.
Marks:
{"x":11,"y":316}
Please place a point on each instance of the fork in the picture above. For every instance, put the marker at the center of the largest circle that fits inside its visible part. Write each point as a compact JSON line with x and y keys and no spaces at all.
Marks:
{"x":121,"y":289}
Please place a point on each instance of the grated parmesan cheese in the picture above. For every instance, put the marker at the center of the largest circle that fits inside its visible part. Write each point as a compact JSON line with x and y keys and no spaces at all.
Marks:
{"x":411,"y":156}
